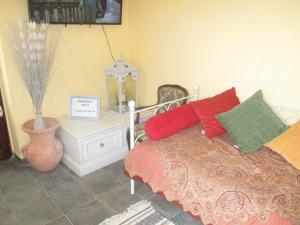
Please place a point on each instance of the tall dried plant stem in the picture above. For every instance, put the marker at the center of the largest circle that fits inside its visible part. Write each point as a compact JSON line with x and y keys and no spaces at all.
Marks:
{"x":34,"y":52}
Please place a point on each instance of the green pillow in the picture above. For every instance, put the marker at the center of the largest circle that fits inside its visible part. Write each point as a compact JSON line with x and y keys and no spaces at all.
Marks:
{"x":252,"y":123}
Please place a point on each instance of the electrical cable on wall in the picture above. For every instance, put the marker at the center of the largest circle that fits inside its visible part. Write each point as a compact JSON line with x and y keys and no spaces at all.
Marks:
{"x":80,"y":63}
{"x":108,"y":44}
{"x":88,"y":74}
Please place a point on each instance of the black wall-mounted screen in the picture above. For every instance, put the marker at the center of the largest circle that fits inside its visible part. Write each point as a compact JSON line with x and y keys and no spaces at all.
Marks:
{"x":76,"y":11}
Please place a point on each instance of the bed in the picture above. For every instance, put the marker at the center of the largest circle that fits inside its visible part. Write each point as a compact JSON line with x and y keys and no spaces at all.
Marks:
{"x":216,"y":183}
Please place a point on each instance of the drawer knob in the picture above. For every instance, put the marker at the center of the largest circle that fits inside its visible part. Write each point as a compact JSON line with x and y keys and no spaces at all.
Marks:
{"x":101,"y":145}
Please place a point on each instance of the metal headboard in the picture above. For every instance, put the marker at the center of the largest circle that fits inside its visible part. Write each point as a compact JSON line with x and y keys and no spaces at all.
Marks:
{"x":287,"y":114}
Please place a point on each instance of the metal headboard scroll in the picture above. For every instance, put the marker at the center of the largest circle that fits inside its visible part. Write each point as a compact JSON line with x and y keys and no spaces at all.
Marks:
{"x":287,"y":114}
{"x":139,"y":137}
{"x":166,"y":107}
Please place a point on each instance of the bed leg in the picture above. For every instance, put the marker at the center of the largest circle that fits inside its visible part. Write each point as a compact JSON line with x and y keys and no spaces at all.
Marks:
{"x":131,"y":105}
{"x":132,"y":187}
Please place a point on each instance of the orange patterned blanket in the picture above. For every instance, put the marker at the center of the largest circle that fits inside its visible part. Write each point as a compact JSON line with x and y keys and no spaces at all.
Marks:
{"x":219,"y":183}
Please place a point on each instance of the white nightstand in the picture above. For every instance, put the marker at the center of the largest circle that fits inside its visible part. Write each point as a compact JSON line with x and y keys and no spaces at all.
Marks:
{"x":91,"y":145}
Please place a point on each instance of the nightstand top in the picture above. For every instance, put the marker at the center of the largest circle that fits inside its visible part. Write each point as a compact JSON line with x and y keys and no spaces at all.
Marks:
{"x":82,"y":128}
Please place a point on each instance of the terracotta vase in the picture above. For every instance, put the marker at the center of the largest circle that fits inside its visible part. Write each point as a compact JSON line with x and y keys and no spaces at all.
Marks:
{"x":44,"y":151}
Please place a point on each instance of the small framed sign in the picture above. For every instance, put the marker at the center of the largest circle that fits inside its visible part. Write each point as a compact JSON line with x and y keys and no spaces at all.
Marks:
{"x":84,"y":107}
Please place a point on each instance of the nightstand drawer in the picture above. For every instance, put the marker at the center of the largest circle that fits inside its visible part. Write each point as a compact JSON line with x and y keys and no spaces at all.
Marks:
{"x":102,"y":144}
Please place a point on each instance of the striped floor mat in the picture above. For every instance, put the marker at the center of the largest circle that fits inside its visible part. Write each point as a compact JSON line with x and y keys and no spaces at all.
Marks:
{"x":141,"y":213}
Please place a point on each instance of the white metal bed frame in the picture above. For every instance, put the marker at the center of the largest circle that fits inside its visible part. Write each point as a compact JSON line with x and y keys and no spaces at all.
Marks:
{"x":165,"y":106}
{"x":287,"y":114}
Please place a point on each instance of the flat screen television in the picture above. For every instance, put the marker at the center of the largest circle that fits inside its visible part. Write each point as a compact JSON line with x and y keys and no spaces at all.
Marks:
{"x":76,"y":11}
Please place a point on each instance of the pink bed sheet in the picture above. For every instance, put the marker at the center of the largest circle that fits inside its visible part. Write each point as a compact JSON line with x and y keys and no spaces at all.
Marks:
{"x":213,"y":181}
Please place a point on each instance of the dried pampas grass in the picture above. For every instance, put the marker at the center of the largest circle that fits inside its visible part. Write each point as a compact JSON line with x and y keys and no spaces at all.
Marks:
{"x":34,"y":52}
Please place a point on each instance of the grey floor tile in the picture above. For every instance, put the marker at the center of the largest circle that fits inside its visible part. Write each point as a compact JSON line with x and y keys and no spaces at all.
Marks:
{"x":99,"y":182}
{"x":142,"y":190}
{"x":16,"y":179}
{"x":118,"y":174}
{"x":90,"y":214}
{"x":69,"y":171}
{"x":63,"y":166}
{"x":164,"y":206}
{"x":60,"y":221}
{"x":74,"y":195}
{"x":117,"y":164}
{"x":71,"y":198}
{"x":56,"y":180}
{"x":24,"y":195}
{"x":184,"y":219}
{"x":4,"y":208}
{"x":98,"y":174}
{"x":120,"y":199}
{"x":60,"y":169}
{"x":42,"y":212}
{"x":41,"y":176}
{"x":9,"y":167}
{"x":8,"y":220}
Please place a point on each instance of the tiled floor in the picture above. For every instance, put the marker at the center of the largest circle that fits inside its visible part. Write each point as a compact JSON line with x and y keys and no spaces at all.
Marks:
{"x":62,"y":198}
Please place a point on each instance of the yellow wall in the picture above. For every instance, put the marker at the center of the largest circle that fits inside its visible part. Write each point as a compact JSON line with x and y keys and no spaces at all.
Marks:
{"x":78,"y":69}
{"x":217,"y":44}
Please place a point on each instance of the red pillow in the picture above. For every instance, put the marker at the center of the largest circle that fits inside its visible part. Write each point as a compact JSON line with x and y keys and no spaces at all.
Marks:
{"x":208,"y":108}
{"x":170,"y":122}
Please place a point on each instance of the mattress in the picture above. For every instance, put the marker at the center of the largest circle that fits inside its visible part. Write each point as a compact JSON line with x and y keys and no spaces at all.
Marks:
{"x":217,"y":183}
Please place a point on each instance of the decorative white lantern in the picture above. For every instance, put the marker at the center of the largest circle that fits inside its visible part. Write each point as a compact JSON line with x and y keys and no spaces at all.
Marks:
{"x":121,"y":84}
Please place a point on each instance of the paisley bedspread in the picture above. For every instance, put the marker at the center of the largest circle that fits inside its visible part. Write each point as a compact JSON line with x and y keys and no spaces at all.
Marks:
{"x":218,"y":183}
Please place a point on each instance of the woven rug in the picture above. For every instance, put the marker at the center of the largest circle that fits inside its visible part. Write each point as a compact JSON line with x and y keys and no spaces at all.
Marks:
{"x":141,"y":213}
